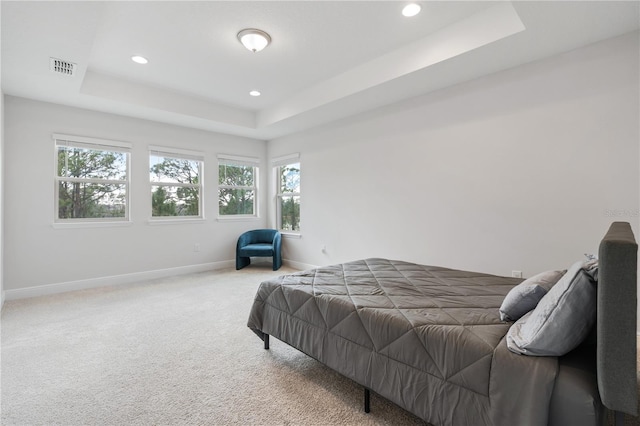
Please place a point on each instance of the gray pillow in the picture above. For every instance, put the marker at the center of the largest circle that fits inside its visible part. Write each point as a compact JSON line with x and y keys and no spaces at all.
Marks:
{"x":562,"y":319}
{"x":526,"y":295}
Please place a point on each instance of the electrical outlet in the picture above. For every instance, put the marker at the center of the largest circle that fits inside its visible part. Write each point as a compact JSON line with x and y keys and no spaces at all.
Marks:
{"x":516,"y":274}
{"x":196,"y":247}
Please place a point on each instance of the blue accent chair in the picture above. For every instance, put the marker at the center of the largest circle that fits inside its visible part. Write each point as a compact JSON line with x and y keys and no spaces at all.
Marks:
{"x":259,"y":243}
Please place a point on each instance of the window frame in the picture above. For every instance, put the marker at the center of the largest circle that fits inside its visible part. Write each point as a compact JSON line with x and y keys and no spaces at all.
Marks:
{"x":241,"y":161}
{"x":96,"y":144}
{"x":277,"y":164}
{"x":178,"y":154}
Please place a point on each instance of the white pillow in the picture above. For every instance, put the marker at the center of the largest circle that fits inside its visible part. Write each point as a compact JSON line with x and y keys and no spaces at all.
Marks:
{"x":563,"y":317}
{"x":526,"y":295}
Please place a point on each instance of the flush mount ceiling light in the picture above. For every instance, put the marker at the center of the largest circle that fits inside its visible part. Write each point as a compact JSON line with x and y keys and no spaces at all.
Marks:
{"x":139,"y":59}
{"x":254,"y":93}
{"x":253,"y":39}
{"x":411,"y":9}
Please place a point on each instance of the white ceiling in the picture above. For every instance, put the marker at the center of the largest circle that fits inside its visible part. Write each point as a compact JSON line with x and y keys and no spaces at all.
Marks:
{"x":328,"y":59}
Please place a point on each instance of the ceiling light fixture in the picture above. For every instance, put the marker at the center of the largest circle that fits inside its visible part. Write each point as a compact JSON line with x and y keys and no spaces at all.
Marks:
{"x":139,"y":59}
{"x":412,"y":9}
{"x":253,"y":39}
{"x":254,"y":93}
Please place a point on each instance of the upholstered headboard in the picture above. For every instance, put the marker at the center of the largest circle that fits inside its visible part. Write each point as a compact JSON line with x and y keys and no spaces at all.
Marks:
{"x":617,"y":316}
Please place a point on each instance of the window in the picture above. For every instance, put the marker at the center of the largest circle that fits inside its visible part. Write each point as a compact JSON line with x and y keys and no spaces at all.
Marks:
{"x":287,"y":171}
{"x":237,"y":186}
{"x":176,"y":183}
{"x":92,"y":180}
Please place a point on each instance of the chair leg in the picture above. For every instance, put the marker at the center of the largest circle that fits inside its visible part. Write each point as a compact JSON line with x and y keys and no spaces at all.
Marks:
{"x":241,"y":262}
{"x":277,"y":263}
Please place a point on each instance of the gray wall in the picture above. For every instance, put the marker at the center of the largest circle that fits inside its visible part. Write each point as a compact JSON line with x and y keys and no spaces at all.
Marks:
{"x":1,"y":197}
{"x":520,"y":170}
{"x":38,"y":254}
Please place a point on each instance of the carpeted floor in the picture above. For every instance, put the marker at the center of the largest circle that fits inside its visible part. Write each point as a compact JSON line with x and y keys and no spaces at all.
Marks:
{"x":172,"y":351}
{"x":167,"y":352}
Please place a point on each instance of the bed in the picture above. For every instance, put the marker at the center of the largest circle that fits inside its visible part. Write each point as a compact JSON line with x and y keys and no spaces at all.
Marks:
{"x":431,"y":340}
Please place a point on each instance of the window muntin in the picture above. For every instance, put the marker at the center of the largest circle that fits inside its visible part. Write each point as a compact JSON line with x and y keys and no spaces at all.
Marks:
{"x":237,"y":186}
{"x":176,"y":184}
{"x":288,"y":197}
{"x":92,"y":180}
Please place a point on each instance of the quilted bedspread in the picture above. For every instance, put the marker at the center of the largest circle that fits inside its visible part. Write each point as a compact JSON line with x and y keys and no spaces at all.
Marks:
{"x":427,"y":338}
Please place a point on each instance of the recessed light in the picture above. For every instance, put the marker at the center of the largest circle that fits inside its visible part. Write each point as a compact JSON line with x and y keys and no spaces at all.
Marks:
{"x":412,"y":9}
{"x":139,"y":59}
{"x":254,"y":93}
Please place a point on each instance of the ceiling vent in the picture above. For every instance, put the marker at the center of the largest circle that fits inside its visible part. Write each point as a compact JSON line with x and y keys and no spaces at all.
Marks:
{"x":59,"y":66}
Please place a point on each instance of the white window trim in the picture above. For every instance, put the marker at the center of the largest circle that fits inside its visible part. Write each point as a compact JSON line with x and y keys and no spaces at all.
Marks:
{"x":285,"y":159}
{"x":61,"y":139}
{"x":91,"y":224}
{"x":237,"y":218}
{"x":290,"y":234}
{"x":181,"y":154}
{"x":237,"y":160}
{"x":169,"y":220}
{"x":276,"y":163}
{"x":85,"y":142}
{"x":186,"y":154}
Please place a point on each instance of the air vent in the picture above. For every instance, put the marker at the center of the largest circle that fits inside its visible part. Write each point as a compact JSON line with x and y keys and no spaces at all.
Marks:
{"x":62,"y":67}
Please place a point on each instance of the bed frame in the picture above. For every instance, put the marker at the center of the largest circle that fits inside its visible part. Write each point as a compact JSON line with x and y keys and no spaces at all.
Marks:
{"x":617,"y":321}
{"x":616,"y":349}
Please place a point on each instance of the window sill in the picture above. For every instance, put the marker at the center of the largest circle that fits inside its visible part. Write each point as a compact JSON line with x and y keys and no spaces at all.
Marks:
{"x":237,"y":218}
{"x":288,"y":234}
{"x":155,"y":222}
{"x":71,"y":225}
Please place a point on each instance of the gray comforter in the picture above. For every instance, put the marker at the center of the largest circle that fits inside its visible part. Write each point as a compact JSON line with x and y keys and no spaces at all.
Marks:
{"x":427,"y":338}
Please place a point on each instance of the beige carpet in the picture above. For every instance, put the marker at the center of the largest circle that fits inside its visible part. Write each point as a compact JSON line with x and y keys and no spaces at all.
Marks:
{"x":168,"y":352}
{"x":173,"y":351}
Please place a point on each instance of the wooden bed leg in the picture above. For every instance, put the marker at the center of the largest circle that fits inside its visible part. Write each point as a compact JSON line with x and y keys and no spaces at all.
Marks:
{"x":367,"y":395}
{"x":266,"y":341}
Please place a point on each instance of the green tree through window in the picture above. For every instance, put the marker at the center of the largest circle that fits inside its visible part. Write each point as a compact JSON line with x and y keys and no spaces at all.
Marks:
{"x":175,"y":185}
{"x":237,"y":187}
{"x":288,"y":207}
{"x":92,"y":181}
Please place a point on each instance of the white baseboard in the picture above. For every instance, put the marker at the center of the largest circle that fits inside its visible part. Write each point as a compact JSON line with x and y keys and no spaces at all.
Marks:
{"x":298,"y":265}
{"x":285,"y":262}
{"x":48,"y":289}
